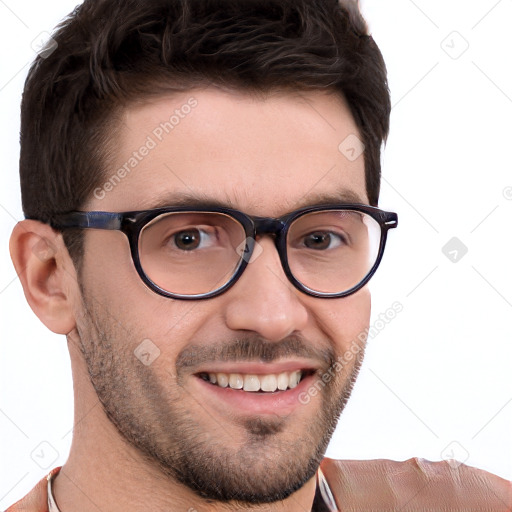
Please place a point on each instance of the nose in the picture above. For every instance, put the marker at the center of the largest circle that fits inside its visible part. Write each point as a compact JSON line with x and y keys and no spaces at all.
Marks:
{"x":263,"y":300}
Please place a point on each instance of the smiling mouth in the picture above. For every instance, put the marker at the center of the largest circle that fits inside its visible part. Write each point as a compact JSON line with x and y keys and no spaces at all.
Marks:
{"x":252,"y":383}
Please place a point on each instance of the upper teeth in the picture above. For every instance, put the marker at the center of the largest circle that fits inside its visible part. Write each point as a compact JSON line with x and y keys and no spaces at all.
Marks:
{"x":251,"y":382}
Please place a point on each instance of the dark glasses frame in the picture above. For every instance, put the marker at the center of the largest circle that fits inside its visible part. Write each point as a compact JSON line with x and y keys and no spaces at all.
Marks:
{"x":131,"y":224}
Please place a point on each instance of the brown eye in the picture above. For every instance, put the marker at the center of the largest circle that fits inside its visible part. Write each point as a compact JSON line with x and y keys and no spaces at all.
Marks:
{"x":321,"y":240}
{"x":188,"y":240}
{"x":317,"y":240}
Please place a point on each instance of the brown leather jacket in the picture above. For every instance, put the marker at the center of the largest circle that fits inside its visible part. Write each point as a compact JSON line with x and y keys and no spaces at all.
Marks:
{"x":415,"y":485}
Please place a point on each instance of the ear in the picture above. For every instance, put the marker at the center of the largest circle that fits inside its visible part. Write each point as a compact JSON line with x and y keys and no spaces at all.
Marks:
{"x":46,"y":272}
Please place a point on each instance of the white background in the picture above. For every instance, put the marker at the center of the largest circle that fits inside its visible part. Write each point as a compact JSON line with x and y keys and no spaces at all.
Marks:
{"x":437,"y":380}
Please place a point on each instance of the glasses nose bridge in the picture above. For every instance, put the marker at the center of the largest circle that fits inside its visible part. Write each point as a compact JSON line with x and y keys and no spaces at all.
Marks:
{"x":273,"y":227}
{"x":268,"y":226}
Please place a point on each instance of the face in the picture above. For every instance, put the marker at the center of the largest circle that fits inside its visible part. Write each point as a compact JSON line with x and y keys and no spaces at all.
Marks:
{"x":152,"y":359}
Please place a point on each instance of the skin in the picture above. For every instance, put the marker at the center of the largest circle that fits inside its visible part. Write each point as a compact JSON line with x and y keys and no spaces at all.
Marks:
{"x":263,"y":156}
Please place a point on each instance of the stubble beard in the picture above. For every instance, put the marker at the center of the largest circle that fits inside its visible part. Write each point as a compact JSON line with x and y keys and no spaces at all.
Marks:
{"x":274,"y":458}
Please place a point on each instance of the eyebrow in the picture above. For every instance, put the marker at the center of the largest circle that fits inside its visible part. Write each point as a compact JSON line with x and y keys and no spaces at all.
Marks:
{"x":196,"y":199}
{"x":344,"y":196}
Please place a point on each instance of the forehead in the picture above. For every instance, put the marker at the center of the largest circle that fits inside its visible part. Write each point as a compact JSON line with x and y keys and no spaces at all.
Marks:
{"x":263,"y":155}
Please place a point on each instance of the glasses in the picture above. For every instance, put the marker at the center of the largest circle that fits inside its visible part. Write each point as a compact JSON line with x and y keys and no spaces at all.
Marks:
{"x":327,"y":251}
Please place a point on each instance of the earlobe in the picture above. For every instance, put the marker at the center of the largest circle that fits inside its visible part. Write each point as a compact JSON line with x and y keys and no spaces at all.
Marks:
{"x":46,"y":273}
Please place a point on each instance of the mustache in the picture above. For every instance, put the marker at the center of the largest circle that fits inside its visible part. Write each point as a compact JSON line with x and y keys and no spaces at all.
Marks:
{"x":254,"y":348}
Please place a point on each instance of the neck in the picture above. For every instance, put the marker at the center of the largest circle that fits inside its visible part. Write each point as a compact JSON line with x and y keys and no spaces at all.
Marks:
{"x":105,"y":472}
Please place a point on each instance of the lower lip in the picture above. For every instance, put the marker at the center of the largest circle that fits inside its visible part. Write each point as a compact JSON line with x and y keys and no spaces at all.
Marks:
{"x":279,"y":403}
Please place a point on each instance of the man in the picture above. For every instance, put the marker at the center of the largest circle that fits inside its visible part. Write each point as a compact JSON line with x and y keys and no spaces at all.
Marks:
{"x":200,"y":181}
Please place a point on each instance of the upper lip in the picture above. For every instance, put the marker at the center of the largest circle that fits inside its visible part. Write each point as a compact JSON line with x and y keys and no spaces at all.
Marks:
{"x":258,"y":368}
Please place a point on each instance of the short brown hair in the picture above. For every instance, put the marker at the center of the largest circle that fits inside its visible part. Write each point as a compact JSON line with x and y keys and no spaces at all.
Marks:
{"x":112,"y":52}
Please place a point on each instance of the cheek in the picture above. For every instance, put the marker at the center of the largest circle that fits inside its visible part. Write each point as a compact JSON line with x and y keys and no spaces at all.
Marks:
{"x":111,"y":278}
{"x":108,"y":265}
{"x":346,"y":320}
{"x":135,"y":312}
{"x":112,"y":284}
